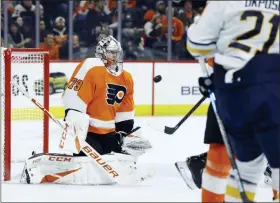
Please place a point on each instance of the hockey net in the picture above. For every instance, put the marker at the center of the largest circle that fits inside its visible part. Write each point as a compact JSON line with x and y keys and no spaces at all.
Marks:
{"x":24,"y":128}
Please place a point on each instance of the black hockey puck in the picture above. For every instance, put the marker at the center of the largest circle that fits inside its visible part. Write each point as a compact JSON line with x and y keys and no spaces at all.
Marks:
{"x":157,"y":78}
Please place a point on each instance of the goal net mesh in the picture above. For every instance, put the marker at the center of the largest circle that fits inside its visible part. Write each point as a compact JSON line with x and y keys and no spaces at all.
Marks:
{"x":23,"y":126}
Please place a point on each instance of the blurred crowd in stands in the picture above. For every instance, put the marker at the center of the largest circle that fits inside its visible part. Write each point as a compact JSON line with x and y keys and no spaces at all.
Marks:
{"x":144,"y":26}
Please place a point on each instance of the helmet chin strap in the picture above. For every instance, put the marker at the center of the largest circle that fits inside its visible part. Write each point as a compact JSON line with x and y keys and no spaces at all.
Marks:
{"x":114,"y":70}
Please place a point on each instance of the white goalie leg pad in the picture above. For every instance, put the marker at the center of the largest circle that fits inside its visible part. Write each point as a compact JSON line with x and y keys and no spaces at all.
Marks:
{"x":63,"y":169}
{"x":136,"y":144}
{"x":75,"y":132}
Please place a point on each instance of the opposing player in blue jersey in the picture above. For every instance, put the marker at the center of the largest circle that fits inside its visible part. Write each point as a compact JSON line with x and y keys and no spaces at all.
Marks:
{"x":243,"y":37}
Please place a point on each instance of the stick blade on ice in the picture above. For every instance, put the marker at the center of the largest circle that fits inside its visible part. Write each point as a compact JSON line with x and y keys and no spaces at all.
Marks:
{"x":169,"y":130}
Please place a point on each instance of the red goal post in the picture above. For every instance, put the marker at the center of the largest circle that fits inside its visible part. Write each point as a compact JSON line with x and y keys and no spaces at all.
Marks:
{"x":29,"y":67}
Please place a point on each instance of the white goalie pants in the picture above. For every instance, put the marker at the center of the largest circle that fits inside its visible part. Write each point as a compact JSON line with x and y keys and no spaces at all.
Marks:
{"x":63,"y":169}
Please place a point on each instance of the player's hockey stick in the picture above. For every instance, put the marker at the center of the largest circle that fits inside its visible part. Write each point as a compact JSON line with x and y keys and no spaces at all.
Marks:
{"x":85,"y":147}
{"x":171,"y":130}
{"x":226,"y":141}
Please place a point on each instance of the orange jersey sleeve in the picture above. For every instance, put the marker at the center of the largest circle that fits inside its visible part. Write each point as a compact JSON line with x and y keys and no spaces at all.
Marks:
{"x":80,"y":89}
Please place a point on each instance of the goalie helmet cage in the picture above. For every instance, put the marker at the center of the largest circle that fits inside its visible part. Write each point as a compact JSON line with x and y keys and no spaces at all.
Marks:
{"x":29,"y":67}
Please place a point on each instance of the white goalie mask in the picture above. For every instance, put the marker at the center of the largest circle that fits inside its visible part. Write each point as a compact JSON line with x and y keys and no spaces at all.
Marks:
{"x":109,"y":50}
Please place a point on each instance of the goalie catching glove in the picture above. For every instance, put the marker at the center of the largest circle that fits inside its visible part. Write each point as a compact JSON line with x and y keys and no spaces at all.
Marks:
{"x":134,"y":144}
{"x":76,"y":129}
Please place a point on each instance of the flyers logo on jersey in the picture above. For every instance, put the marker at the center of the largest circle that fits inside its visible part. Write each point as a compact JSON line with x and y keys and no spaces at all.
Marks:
{"x":115,"y":93}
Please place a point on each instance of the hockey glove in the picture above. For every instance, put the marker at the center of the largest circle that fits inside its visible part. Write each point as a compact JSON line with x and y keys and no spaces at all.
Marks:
{"x":135,"y":144}
{"x":206,"y":84}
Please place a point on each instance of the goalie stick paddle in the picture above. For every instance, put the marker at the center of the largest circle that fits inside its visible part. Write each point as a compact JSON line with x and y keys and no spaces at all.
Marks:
{"x":94,"y":156}
{"x":171,"y":130}
{"x":226,"y":140}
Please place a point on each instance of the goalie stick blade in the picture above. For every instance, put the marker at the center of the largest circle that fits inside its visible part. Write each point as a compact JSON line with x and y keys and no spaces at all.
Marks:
{"x":168,"y":130}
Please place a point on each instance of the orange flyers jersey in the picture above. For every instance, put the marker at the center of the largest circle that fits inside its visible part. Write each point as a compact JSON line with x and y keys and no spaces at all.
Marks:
{"x":106,"y":98}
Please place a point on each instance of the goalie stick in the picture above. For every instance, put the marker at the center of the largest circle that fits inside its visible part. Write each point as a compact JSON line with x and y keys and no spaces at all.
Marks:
{"x":94,"y":156}
{"x":225,"y":139}
{"x":171,"y":130}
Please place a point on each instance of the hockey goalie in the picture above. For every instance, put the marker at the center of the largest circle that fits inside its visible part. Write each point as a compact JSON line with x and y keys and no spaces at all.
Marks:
{"x":99,"y":109}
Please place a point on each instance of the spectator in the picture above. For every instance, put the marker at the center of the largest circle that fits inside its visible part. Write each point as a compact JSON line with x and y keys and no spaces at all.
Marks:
{"x":49,"y":44}
{"x":64,"y":51}
{"x":112,"y":4}
{"x":177,"y":27}
{"x":132,"y":20}
{"x":153,"y":30}
{"x":80,"y":14}
{"x":82,"y":8}
{"x":26,"y":10}
{"x":46,"y":18}
{"x":160,"y":9}
{"x":95,"y":18}
{"x":25,"y":7}
{"x":19,"y":22}
{"x":186,"y":14}
{"x":188,"y":9}
{"x":28,"y":31}
{"x":42,"y":30}
{"x":60,"y":31}
{"x":17,"y":37}
{"x":132,"y":16}
{"x":76,"y":43}
{"x":153,"y":26}
{"x":137,"y":51}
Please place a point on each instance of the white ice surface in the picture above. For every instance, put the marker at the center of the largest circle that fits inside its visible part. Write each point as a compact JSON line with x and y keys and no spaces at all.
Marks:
{"x":165,"y":186}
